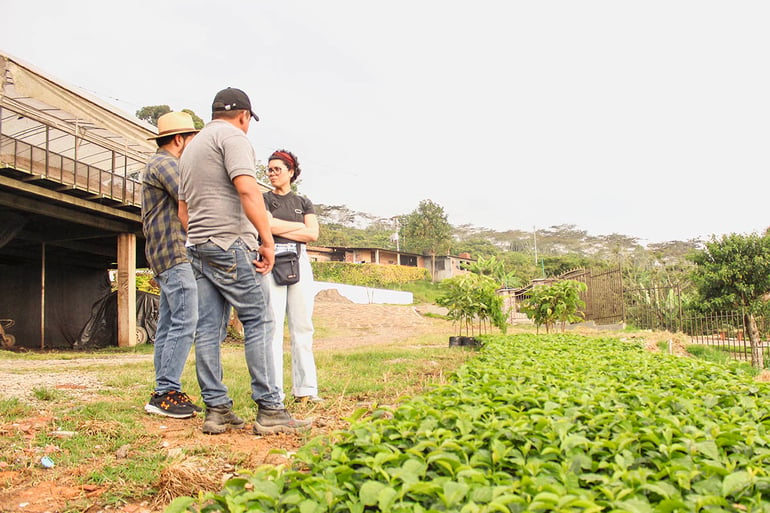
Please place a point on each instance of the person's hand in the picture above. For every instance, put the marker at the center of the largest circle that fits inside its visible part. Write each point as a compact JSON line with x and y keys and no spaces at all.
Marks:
{"x":267,"y":258}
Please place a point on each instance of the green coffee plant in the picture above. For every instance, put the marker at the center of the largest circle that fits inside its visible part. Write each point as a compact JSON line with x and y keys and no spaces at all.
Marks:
{"x":555,"y":423}
{"x":472,"y":302}
{"x":559,"y":302}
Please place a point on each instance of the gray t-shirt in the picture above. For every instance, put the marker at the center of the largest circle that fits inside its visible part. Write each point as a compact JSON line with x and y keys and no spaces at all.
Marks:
{"x":215,"y":156}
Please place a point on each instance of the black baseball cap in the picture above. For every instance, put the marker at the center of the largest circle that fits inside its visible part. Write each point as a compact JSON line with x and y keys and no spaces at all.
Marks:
{"x":232,"y":99}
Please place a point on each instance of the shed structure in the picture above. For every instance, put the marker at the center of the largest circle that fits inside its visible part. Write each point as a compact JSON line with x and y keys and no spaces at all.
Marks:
{"x":70,"y":205}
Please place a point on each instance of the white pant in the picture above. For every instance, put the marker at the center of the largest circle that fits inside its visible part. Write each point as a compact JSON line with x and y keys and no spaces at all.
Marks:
{"x":297,"y":301}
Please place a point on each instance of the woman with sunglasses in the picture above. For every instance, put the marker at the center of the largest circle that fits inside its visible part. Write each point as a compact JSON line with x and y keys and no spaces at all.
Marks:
{"x":293,"y":224}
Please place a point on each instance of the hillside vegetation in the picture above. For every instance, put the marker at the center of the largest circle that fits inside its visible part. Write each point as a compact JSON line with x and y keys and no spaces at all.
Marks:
{"x":547,"y":252}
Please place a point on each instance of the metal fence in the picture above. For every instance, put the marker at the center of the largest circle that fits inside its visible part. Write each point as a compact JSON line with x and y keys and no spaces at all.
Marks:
{"x":603,"y":296}
{"x":653,"y":308}
{"x":660,"y":309}
{"x":726,"y":331}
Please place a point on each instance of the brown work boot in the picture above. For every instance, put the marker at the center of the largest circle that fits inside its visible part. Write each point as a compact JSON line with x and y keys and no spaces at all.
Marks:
{"x":221,"y":418}
{"x":271,"y":421}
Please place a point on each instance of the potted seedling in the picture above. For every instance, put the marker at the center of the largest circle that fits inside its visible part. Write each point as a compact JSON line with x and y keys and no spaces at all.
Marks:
{"x":472,"y":303}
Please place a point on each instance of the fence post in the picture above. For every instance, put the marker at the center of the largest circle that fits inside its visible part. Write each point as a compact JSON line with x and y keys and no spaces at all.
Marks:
{"x":622,"y":296}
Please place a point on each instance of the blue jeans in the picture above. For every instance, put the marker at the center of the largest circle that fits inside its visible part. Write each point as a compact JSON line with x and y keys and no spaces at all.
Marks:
{"x":176,"y":326}
{"x":229,"y":277}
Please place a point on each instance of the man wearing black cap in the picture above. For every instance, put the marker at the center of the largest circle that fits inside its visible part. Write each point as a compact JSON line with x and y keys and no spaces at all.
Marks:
{"x":221,"y":203}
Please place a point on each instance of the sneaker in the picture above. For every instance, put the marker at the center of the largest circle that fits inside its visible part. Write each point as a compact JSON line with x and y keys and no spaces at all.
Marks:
{"x":170,"y":404}
{"x":308,"y":399}
{"x":221,"y":418}
{"x":184,"y":398}
{"x":271,"y":421}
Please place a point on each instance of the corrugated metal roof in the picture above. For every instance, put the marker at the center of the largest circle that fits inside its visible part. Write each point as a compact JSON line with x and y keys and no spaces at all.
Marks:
{"x":38,"y":99}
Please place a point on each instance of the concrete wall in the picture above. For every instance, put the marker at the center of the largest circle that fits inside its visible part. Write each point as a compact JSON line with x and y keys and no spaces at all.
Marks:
{"x":367,"y":295}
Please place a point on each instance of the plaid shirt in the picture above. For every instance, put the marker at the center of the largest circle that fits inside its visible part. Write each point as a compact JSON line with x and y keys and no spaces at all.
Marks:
{"x":165,"y":237}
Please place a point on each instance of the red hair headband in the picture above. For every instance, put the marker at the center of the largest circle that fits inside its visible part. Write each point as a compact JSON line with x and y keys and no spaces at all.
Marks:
{"x":285,"y":157}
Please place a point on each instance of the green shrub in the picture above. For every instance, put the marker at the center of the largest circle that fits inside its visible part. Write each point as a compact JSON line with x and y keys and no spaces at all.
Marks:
{"x":556,"y":303}
{"x":368,"y":275}
{"x":145,"y":281}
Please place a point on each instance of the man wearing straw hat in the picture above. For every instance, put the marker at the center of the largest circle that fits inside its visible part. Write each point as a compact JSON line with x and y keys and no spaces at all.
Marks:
{"x":167,"y":257}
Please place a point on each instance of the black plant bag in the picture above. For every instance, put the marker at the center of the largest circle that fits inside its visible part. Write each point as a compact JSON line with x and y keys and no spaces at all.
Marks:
{"x":286,"y":268}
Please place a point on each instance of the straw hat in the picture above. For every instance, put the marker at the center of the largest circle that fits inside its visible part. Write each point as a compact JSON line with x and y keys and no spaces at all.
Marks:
{"x":174,"y":123}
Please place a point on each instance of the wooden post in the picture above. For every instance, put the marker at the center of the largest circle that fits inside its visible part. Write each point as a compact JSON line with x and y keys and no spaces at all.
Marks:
{"x":42,"y":296}
{"x":126,"y":290}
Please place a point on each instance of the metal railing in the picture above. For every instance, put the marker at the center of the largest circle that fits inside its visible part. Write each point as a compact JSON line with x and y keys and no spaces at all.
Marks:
{"x":725,"y":331}
{"x":97,"y":182}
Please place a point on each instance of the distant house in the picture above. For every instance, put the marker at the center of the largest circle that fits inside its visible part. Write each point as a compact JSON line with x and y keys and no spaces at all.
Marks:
{"x":447,"y":266}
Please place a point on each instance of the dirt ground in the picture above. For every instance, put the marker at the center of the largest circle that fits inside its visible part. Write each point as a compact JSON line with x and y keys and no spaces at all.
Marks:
{"x":341,"y":325}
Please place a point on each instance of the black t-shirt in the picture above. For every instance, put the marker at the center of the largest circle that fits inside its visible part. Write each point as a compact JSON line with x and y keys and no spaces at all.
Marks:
{"x":289,"y":207}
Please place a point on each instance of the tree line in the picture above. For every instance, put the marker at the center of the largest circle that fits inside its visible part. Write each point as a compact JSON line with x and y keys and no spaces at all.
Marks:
{"x":527,"y":254}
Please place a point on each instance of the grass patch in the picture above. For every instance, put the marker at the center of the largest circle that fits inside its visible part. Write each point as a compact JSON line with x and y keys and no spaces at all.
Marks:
{"x":138,"y":349}
{"x":423,"y":291}
{"x":323,"y":332}
{"x":31,"y":354}
{"x":717,"y":355}
{"x":399,"y":372}
{"x":711,"y":354}
{"x":435,"y":316}
{"x":13,"y":408}
{"x":138,"y":472}
{"x":741,"y":349}
{"x":43,"y":393}
{"x":130,"y":376}
{"x":373,"y":374}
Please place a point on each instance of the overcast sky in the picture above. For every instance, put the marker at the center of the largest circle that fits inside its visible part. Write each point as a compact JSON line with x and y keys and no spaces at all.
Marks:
{"x":649,"y":118}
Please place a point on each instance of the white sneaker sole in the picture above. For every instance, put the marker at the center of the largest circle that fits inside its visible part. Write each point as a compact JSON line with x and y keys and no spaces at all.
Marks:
{"x":158,"y":411}
{"x":304,"y":399}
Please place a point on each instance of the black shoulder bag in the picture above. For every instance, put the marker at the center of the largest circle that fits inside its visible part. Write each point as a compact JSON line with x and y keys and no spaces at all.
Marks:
{"x":286,"y":268}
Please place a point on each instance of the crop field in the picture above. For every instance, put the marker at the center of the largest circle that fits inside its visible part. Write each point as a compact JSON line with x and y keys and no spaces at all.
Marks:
{"x":539,"y":423}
